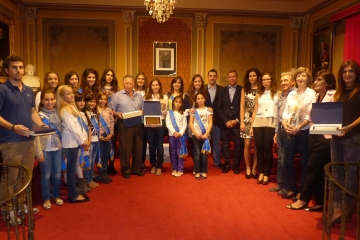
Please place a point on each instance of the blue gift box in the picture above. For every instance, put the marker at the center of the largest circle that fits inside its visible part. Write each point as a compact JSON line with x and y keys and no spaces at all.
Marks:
{"x":152,"y":114}
{"x":327,"y":118}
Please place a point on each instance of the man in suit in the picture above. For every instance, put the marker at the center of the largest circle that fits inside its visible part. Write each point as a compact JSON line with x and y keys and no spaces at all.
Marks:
{"x":213,"y":92}
{"x":228,"y":109}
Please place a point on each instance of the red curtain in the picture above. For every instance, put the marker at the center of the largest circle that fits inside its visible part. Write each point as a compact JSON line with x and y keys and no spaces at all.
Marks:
{"x":352,"y":38}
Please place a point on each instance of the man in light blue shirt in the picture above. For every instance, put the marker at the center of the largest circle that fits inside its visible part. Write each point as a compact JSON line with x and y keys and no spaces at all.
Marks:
{"x":124,"y":101}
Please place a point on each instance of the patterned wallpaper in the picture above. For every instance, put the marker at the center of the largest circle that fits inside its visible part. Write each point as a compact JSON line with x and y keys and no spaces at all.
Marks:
{"x":174,"y":30}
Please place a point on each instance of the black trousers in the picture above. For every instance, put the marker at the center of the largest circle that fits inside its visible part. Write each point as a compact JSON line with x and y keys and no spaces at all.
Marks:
{"x":264,"y":144}
{"x":319,"y":157}
{"x":226,"y":135}
{"x":130,"y":146}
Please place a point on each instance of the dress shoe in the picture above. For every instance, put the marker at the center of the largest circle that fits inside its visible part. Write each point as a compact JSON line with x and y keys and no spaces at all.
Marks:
{"x":260,"y":181}
{"x":299,"y":208}
{"x":86,"y":196}
{"x":236,"y":171}
{"x":219,"y":166}
{"x":274,"y":189}
{"x":316,"y":208}
{"x":265,"y":182}
{"x":225,"y":169}
{"x":126,"y":175}
{"x":254,"y":176}
{"x":77,"y":201}
{"x":139,"y":173}
{"x":247,"y":176}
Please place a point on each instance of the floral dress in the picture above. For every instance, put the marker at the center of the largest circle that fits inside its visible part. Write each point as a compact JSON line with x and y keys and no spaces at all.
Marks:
{"x":249,"y":108}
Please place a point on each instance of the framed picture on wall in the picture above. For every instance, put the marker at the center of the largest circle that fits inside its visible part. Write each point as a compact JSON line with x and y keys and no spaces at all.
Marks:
{"x":6,"y":40}
{"x":164,"y":59}
{"x":322,"y":50}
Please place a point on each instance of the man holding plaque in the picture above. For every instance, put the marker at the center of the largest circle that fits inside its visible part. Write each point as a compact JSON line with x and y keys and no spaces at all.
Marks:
{"x":126,"y":105}
{"x":17,"y":114}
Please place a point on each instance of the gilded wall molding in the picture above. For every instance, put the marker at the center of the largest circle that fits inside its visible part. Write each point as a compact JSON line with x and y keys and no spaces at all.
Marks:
{"x":200,"y":19}
{"x":30,"y":13}
{"x":295,"y":22}
{"x":128,"y":17}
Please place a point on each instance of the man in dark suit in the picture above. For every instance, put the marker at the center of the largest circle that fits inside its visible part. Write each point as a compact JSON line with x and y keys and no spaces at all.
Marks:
{"x":228,"y":109}
{"x":213,"y":92}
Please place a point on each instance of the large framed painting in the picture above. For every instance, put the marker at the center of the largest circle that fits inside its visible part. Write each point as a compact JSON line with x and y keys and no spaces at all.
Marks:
{"x":322,"y":50}
{"x":164,"y":58}
{"x":6,"y":41}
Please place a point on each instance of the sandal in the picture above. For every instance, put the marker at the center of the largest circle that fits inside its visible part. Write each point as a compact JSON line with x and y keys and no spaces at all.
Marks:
{"x":59,"y":201}
{"x":47,"y":205}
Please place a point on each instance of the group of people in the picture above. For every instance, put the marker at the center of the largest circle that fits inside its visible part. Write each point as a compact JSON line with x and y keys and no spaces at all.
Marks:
{"x":90,"y":113}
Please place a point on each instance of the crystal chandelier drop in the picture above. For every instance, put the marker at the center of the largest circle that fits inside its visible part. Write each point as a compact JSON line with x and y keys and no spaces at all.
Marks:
{"x":160,"y":9}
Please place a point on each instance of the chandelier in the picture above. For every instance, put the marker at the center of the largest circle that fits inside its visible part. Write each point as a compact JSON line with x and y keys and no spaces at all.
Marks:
{"x":160,"y":9}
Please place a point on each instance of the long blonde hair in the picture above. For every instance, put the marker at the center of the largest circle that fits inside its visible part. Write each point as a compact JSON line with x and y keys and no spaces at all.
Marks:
{"x":61,"y":105}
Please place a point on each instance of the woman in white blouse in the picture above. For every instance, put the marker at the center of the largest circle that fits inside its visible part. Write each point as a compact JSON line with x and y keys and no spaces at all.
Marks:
{"x":264,"y":122}
{"x":296,"y":119}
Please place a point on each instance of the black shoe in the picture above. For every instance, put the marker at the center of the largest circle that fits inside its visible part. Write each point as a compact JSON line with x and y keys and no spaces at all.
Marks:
{"x":265,"y":182}
{"x":126,"y":175}
{"x":143,"y":167}
{"x":254,"y":176}
{"x":274,"y":189}
{"x":247,"y":176}
{"x":236,"y":171}
{"x":97,"y":179}
{"x":260,"y":181}
{"x":281,"y":192}
{"x":287,"y":195}
{"x":226,"y":169}
{"x":295,"y":199}
{"x":78,"y":201}
{"x":219,"y":166}
{"x":86,"y":196}
{"x":139,"y":173}
{"x":316,"y":208}
{"x":293,"y":208}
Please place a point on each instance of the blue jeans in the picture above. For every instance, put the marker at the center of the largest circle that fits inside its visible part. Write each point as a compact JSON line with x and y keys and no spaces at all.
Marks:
{"x":94,"y":154}
{"x":200,"y":160}
{"x":51,"y":167}
{"x":288,"y":173}
{"x":215,"y":139}
{"x":155,"y":137}
{"x":345,"y":151}
{"x":71,"y":156}
{"x":104,"y":154}
{"x":280,"y":143}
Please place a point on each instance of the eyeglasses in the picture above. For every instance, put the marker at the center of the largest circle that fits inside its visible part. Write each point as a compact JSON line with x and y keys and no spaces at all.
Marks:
{"x":266,"y":79}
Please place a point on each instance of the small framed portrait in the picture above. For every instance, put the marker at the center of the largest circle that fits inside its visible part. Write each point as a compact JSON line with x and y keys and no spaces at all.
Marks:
{"x":6,"y":40}
{"x":164,"y":59}
{"x":322,"y":50}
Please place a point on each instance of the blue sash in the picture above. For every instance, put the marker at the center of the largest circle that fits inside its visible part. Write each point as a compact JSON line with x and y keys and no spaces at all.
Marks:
{"x":172,"y":98}
{"x":206,"y":148}
{"x":107,"y":130}
{"x":84,"y":156}
{"x":183,"y":150}
{"x":50,"y":124}
{"x":63,"y":165}
{"x":97,"y":129}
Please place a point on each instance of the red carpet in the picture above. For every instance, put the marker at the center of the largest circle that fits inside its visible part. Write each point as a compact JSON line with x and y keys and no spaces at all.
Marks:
{"x":224,"y":206}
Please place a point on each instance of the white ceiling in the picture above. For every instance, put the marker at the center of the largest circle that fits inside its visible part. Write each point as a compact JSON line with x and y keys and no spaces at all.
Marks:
{"x":275,"y":6}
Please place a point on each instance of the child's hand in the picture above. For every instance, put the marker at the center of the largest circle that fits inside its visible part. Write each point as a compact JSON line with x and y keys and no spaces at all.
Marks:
{"x":177,"y":134}
{"x":40,"y":159}
{"x":205,"y":136}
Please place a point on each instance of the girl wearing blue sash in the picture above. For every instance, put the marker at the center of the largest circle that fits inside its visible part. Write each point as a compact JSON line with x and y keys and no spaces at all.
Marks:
{"x":106,"y":120}
{"x":155,"y":135}
{"x":200,"y":125}
{"x":83,"y":157}
{"x":74,"y":138}
{"x":50,"y":150}
{"x":93,"y":118}
{"x":176,"y":124}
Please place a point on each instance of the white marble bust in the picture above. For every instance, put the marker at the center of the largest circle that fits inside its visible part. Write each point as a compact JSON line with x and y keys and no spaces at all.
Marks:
{"x":29,"y":79}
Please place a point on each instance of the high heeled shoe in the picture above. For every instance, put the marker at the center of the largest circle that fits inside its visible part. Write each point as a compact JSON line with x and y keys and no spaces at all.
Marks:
{"x":260,"y":181}
{"x":294,"y":208}
{"x":316,"y":208}
{"x":247,"y":176}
